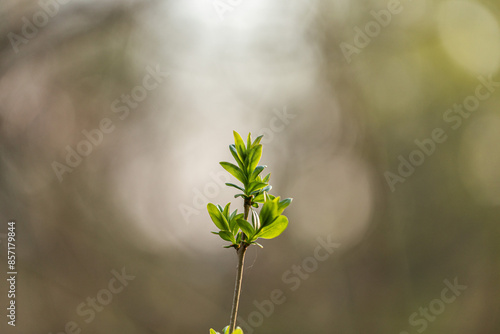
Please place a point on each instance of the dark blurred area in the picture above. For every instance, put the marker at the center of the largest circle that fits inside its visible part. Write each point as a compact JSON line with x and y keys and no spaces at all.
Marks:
{"x":381,"y":119}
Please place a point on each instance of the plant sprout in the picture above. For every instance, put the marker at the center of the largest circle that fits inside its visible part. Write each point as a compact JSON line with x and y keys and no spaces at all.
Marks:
{"x":242,"y":230}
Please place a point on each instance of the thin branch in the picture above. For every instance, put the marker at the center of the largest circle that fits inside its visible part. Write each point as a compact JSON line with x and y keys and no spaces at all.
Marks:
{"x":241,"y":250}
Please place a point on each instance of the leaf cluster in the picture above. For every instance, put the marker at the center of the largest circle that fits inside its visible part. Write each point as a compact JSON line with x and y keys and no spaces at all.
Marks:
{"x":238,"y":229}
{"x":247,"y":170}
{"x":238,"y":330}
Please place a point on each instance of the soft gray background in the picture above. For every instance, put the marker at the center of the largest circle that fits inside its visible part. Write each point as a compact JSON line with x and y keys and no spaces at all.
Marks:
{"x":350,"y":118}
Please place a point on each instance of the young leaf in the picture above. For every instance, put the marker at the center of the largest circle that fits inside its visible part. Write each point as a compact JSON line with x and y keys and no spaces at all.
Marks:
{"x":226,"y":210}
{"x":235,"y":186}
{"x":283,"y":204}
{"x":225,"y":235}
{"x":266,"y":190}
{"x":274,"y":229}
{"x":217,"y":218}
{"x":238,"y":331}
{"x":269,"y":212}
{"x":231,"y":217}
{"x":255,"y":186}
{"x":257,"y":140}
{"x":234,"y":152}
{"x":259,"y":198}
{"x":225,"y":222}
{"x":249,"y":141}
{"x":261,"y":194}
{"x":266,"y":178}
{"x":234,"y":171}
{"x":240,"y":146}
{"x":223,"y":216}
{"x":246,"y":227}
{"x":213,"y":332}
{"x":256,"y":172}
{"x":233,"y":225}
{"x":254,"y":158}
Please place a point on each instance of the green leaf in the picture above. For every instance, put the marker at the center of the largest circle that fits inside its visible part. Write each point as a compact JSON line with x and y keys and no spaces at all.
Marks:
{"x":240,"y":146}
{"x":223,"y":215}
{"x":254,"y":158}
{"x":225,"y":222}
{"x":267,"y":189}
{"x":213,"y":332}
{"x":269,"y":212}
{"x":257,"y":140}
{"x":217,"y":218}
{"x":266,"y":178}
{"x":233,"y":225}
{"x":249,"y":141}
{"x":240,"y":195}
{"x":234,"y":171}
{"x":282,"y":205}
{"x":274,"y":229}
{"x":259,"y":198}
{"x":255,"y":186}
{"x":238,"y":330}
{"x":236,"y":157}
{"x":228,"y":236}
{"x":235,"y":186}
{"x":226,"y":210}
{"x":256,"y":172}
{"x":246,"y":227}
{"x":231,"y":217}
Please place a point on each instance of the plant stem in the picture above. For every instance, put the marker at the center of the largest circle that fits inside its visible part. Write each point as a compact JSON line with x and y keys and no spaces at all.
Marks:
{"x":237,"y":287}
{"x":239,"y":274}
{"x":247,"y":206}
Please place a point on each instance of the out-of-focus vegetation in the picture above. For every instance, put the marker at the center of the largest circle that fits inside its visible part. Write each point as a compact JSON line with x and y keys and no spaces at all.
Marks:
{"x":381,"y":117}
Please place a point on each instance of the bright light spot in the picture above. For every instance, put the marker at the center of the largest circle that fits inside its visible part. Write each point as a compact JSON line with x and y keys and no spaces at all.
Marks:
{"x":470,"y":35}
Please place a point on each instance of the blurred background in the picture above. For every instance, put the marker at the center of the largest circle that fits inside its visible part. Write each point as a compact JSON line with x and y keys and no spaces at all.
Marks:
{"x":381,"y":120}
